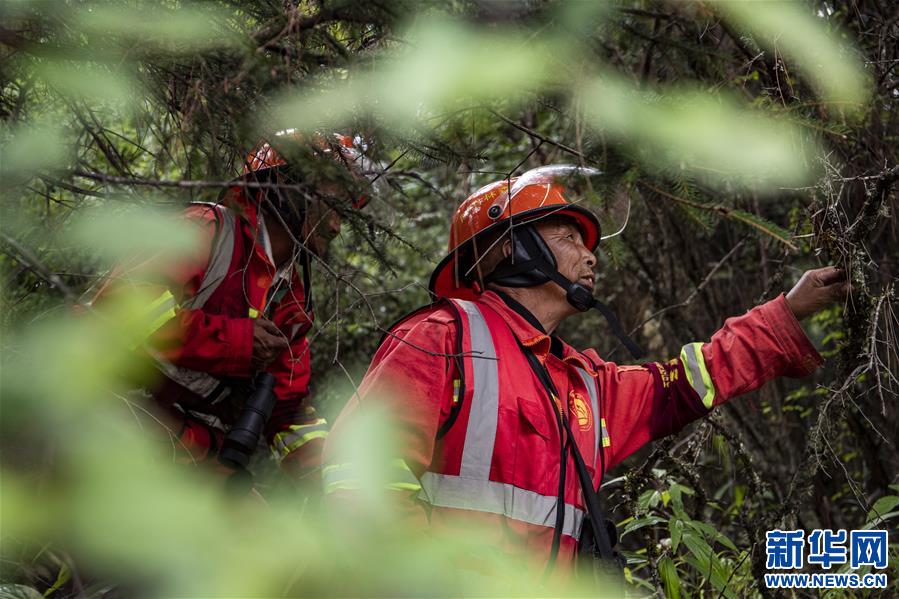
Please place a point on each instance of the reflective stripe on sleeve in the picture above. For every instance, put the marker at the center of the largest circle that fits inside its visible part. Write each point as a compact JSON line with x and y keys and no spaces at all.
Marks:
{"x":498,"y":498}
{"x":161,"y":310}
{"x":606,"y":441}
{"x":347,"y":476}
{"x":219,"y":258}
{"x":296,"y":436}
{"x":697,"y":373}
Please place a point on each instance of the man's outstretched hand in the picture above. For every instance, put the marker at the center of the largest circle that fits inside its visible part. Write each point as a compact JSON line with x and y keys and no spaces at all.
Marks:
{"x":816,"y":290}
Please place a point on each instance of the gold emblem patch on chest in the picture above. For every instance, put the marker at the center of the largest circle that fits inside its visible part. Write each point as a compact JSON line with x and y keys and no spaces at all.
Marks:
{"x":580,"y":410}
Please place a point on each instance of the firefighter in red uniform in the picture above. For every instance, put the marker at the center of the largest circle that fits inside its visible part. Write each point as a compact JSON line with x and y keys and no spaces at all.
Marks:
{"x":241,"y":305}
{"x":490,"y":405}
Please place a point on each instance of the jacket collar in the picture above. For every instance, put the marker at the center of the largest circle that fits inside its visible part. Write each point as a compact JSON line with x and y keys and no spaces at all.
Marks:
{"x":528,"y":331}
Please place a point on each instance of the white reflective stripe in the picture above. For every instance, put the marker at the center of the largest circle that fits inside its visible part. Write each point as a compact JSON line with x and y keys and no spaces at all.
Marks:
{"x":473,"y":489}
{"x":443,"y":490}
{"x":219,"y":259}
{"x":201,"y":383}
{"x":480,"y":437}
{"x":590,"y":383}
{"x":697,"y":373}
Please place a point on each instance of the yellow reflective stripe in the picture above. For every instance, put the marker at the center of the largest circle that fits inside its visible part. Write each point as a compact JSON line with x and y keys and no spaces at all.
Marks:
{"x":416,"y":487}
{"x":254,"y":313}
{"x":285,"y":449}
{"x":343,"y":476}
{"x":160,"y":311}
{"x":456,"y":383}
{"x":166,"y":296}
{"x":697,"y":373}
{"x":161,"y":320}
{"x":334,"y":479}
{"x":606,"y":441}
{"x":163,"y":307}
{"x":298,"y":435}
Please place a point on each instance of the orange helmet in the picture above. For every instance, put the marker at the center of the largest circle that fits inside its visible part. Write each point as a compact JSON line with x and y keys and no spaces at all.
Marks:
{"x":349,"y":151}
{"x":540,"y":192}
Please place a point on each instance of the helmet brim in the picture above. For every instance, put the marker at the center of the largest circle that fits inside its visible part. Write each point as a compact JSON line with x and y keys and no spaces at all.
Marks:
{"x":444,"y":283}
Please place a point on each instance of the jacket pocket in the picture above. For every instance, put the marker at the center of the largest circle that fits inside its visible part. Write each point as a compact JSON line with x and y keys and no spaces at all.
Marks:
{"x":536,"y":448}
{"x":533,"y":417}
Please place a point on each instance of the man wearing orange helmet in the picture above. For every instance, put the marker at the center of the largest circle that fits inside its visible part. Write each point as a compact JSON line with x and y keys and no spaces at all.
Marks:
{"x":241,"y":305}
{"x":502,"y":423}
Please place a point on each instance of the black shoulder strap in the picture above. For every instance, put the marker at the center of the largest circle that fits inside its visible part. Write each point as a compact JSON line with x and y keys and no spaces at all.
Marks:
{"x":460,"y":363}
{"x":591,"y":499}
{"x":460,"y":368}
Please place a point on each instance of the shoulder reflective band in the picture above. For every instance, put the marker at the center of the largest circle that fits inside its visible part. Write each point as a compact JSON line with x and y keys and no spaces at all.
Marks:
{"x":296,"y":436}
{"x":477,"y":453}
{"x":473,"y":489}
{"x":219,"y":258}
{"x":590,"y":383}
{"x":400,"y":477}
{"x":202,"y":383}
{"x":606,"y":441}
{"x":697,"y":373}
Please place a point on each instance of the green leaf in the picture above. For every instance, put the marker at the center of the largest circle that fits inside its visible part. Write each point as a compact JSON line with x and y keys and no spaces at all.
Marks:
{"x":30,"y":149}
{"x":677,"y":503}
{"x":412,"y":85}
{"x":64,"y":575}
{"x":186,"y":29}
{"x":765,"y":226}
{"x":721,"y":140}
{"x":649,"y":499}
{"x":879,"y":521}
{"x":676,"y":528}
{"x":882,"y":506}
{"x":791,"y":29}
{"x":18,"y":591}
{"x":639,"y":523}
{"x":90,"y":82}
{"x":670,"y":579}
{"x":707,"y":563}
{"x":711,"y":532}
{"x":136,"y":231}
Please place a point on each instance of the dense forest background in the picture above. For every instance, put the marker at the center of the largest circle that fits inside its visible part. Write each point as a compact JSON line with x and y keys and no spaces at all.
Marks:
{"x":752,"y":140}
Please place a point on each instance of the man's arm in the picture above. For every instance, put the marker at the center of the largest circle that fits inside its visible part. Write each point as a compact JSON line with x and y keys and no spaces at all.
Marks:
{"x":294,"y":431}
{"x":410,"y":384}
{"x":657,"y":399}
{"x":193,"y":338}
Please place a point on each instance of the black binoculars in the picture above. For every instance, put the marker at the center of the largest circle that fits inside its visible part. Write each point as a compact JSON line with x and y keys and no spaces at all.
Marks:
{"x":241,"y":441}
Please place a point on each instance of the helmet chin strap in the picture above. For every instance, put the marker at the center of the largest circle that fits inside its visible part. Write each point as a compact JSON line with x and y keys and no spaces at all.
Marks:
{"x":582,"y":298}
{"x":532,"y":263}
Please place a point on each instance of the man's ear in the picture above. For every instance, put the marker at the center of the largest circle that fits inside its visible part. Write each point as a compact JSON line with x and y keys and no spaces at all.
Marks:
{"x":507,"y":248}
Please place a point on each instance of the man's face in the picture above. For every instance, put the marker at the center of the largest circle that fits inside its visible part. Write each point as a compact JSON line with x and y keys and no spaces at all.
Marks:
{"x":575,"y":261}
{"x":322,"y":223}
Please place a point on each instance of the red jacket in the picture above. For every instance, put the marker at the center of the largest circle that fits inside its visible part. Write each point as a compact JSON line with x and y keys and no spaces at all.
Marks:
{"x":413,"y":375}
{"x":214,"y":341}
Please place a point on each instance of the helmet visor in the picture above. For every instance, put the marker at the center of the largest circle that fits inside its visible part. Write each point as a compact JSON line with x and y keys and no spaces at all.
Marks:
{"x":582,"y":186}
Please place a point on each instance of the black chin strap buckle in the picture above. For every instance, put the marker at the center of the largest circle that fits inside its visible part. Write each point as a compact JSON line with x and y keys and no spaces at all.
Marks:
{"x":580,"y":297}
